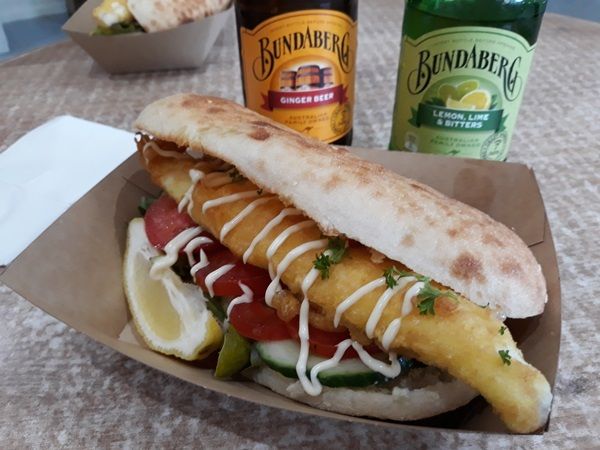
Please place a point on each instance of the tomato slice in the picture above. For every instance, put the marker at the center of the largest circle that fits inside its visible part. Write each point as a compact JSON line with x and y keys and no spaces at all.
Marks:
{"x":227,"y":285}
{"x":322,"y":343}
{"x":163,"y":222}
{"x":257,"y":321}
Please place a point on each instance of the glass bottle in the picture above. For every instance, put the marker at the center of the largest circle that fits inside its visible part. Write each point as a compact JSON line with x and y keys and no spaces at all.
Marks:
{"x":298,"y":59}
{"x":462,"y":73}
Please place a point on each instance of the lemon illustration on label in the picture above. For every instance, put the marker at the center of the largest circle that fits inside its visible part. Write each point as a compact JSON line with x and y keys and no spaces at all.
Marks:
{"x":447,"y":91}
{"x":458,"y":104}
{"x":480,"y":99}
{"x":465,"y":87}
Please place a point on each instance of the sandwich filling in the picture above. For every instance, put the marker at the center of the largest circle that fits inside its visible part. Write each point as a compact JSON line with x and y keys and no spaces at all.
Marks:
{"x":369,"y":309}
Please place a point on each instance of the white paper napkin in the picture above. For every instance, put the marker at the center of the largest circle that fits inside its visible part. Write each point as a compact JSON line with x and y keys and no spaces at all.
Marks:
{"x":49,"y":169}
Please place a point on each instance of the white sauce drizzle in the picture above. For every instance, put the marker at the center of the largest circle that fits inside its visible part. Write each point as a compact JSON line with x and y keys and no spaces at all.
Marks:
{"x":196,"y":154}
{"x":268,"y":228}
{"x":200,"y":264}
{"x":195,"y":176}
{"x":382,"y":302}
{"x":193,"y":245}
{"x":314,"y":387}
{"x":246,"y":297}
{"x":279,"y":240}
{"x":390,"y":333}
{"x":166,"y":153}
{"x":228,"y":199}
{"x":186,"y":200}
{"x":394,"y":327}
{"x":227,"y":227}
{"x":311,"y":387}
{"x":217,"y":179}
{"x":172,"y":250}
{"x":356,"y":296}
{"x":391,"y":371}
{"x":285,"y":263}
{"x":214,"y":276}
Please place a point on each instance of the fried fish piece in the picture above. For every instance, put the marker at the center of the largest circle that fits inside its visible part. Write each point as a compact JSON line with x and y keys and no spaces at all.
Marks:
{"x":456,"y":335}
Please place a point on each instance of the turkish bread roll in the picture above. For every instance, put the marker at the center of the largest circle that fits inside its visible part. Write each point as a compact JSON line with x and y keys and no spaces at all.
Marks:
{"x":404,"y":220}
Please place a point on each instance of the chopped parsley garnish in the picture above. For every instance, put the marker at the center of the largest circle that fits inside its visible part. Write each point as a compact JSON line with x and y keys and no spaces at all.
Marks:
{"x":505,"y":356}
{"x":336,"y":248}
{"x":428,"y":296}
{"x":502,"y":330}
{"x":392,"y":275}
{"x":322,"y":264}
{"x":236,"y":175}
{"x":337,"y":245}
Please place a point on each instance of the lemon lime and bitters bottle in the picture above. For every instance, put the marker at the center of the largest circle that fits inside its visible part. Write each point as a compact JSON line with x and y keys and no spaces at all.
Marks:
{"x":462,"y":73}
{"x":298,"y":60}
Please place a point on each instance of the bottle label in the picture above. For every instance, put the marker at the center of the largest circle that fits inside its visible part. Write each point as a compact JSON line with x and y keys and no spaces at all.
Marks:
{"x":459,"y":91}
{"x":298,"y":69}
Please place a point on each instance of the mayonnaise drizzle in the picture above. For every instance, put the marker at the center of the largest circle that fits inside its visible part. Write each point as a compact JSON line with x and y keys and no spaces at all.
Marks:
{"x":214,"y":276}
{"x":246,"y":297}
{"x":356,"y":296}
{"x":393,"y":328}
{"x":285,"y":263}
{"x":195,"y":176}
{"x":227,"y":227}
{"x":172,"y":250}
{"x":314,"y":387}
{"x":268,"y":228}
{"x":217,"y":179}
{"x":382,"y":302}
{"x":196,"y":154}
{"x":390,"y":333}
{"x":166,"y":153}
{"x":193,"y":245}
{"x":311,"y":387}
{"x":391,"y":371}
{"x":279,"y":240}
{"x":228,"y":199}
{"x":200,"y":264}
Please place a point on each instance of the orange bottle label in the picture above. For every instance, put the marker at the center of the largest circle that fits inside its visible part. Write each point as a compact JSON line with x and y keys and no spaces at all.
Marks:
{"x":298,"y":69}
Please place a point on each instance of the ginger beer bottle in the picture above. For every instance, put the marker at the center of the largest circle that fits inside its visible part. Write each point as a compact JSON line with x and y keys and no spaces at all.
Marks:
{"x":298,"y":59}
{"x":462,"y":73}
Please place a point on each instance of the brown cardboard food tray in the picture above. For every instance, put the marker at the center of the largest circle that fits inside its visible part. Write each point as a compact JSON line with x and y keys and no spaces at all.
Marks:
{"x":80,"y":281}
{"x":186,"y":46}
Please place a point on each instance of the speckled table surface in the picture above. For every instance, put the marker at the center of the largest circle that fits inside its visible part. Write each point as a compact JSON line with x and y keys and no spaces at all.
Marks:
{"x":58,"y":388}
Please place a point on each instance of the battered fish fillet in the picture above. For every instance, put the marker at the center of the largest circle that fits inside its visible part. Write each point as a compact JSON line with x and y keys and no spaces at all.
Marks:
{"x":461,"y":337}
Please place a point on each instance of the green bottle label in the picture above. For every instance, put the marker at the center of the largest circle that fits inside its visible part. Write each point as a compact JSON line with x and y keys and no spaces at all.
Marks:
{"x":459,"y":91}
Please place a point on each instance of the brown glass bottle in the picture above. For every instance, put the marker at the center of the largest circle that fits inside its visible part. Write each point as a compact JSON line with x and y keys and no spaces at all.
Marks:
{"x":298,"y":62}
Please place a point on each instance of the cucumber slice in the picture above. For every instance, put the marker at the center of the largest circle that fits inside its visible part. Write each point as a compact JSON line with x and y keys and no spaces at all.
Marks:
{"x":283,"y":355}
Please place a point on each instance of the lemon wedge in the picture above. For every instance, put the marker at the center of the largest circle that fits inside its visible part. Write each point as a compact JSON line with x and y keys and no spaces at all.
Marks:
{"x":456,"y":104}
{"x":170,"y":315}
{"x":479,"y":99}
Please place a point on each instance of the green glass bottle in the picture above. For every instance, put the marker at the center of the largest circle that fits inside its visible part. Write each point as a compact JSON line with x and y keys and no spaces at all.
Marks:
{"x":461,"y":76}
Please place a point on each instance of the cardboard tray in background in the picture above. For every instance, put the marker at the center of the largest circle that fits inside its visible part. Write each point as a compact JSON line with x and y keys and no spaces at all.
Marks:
{"x":82,"y":284}
{"x":186,"y":46}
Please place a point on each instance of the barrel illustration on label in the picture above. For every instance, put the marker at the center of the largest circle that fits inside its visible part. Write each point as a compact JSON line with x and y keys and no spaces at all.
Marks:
{"x":298,"y":69}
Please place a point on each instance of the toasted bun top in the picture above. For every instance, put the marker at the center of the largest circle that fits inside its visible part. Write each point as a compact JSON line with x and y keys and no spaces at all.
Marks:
{"x":405,"y":220}
{"x":159,"y":15}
